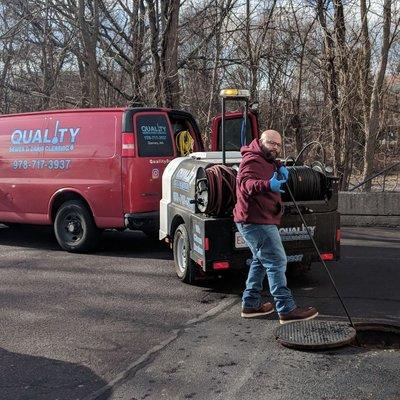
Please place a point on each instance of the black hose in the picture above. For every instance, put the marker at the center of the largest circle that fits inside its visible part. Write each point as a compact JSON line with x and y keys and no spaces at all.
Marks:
{"x":319,"y":254}
{"x":307,"y":146}
{"x":306,"y":184}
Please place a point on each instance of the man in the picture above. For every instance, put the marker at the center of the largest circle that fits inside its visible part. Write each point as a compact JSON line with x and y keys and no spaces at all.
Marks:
{"x":257,"y":213}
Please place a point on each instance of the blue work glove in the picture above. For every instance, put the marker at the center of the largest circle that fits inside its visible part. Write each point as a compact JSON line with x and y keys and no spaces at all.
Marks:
{"x":283,"y":172}
{"x":275,"y":183}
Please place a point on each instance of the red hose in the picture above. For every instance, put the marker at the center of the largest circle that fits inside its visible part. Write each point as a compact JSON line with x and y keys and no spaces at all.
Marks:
{"x":221,"y":190}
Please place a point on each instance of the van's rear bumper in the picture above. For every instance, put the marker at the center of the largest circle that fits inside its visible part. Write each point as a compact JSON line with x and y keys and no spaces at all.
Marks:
{"x":148,"y":221}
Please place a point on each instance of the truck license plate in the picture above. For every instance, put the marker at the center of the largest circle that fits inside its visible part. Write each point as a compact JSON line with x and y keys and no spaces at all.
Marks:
{"x":239,"y":241}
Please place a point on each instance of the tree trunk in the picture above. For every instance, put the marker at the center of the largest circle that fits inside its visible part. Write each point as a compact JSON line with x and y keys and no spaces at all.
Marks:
{"x":138,"y":14}
{"x":154,"y":31}
{"x":332,"y":91}
{"x":90,"y":34}
{"x":6,"y":59}
{"x":344,"y":162}
{"x":46,"y":63}
{"x":214,"y":79}
{"x":169,"y":53}
{"x":365,"y":84}
{"x":375,"y":106}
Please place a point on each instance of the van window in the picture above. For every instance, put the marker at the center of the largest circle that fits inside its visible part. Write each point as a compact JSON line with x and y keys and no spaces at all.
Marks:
{"x":233,"y":129}
{"x":154,"y":136}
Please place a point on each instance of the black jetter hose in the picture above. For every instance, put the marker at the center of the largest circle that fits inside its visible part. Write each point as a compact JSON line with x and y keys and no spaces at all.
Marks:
{"x":319,"y":254}
{"x":306,"y":184}
{"x":306,"y":147}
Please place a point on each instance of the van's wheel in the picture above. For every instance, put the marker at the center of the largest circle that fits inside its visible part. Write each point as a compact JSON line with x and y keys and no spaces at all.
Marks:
{"x":75,"y":228}
{"x":185,"y":267}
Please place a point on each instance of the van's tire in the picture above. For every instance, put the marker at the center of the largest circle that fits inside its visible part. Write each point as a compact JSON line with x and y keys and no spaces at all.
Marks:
{"x":185,"y":267}
{"x":74,"y":227}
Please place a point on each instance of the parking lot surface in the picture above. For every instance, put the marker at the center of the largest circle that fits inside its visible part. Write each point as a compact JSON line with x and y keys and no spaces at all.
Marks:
{"x":118,"y":324}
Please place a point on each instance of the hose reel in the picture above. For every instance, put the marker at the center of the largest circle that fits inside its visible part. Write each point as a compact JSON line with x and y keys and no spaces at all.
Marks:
{"x":216,"y":188}
{"x":306,"y":184}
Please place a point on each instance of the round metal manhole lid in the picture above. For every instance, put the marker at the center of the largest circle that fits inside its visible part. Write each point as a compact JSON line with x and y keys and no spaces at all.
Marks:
{"x":315,"y":335}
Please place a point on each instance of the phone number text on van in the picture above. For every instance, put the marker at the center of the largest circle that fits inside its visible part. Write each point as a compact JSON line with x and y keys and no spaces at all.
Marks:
{"x":41,"y":164}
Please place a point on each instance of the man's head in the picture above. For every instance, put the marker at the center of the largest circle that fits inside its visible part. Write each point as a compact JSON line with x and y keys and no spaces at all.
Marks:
{"x":271,"y":142}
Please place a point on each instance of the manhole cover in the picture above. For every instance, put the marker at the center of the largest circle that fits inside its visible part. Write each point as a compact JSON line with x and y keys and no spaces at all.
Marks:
{"x":315,"y":335}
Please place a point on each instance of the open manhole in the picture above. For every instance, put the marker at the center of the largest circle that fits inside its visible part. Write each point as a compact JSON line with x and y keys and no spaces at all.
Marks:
{"x":315,"y":334}
{"x":320,"y":335}
{"x":378,"y":336}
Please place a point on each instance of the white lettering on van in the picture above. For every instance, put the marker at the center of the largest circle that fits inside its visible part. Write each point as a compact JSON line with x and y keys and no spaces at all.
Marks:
{"x":61,"y":132}
{"x":27,"y":137}
{"x":37,"y":138}
{"x":60,"y":140}
{"x":16,"y":137}
{"x":153,"y":129}
{"x":74,"y":133}
{"x":45,"y":137}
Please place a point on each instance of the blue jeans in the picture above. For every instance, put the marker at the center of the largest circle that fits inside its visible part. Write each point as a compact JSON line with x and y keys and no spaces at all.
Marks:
{"x":269,"y":258}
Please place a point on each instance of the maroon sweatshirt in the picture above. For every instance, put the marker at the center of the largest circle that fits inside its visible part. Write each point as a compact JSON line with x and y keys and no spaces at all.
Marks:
{"x":256,"y":203}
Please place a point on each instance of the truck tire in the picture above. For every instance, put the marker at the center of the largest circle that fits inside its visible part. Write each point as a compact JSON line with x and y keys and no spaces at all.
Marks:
{"x":185,"y":267}
{"x":74,"y":227}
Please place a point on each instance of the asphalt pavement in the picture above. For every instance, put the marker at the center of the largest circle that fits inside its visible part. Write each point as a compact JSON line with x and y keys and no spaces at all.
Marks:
{"x":119,"y":325}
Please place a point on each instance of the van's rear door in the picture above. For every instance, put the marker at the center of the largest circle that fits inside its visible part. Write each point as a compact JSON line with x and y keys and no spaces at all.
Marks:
{"x":154,"y":149}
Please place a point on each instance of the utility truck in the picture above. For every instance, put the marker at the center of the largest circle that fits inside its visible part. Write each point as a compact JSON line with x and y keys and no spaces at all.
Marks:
{"x":198,"y":196}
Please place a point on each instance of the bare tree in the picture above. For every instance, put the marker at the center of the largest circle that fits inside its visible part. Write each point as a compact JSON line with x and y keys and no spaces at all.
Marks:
{"x":169,"y":52}
{"x":255,"y":44}
{"x":138,"y":30}
{"x":88,"y":17}
{"x":372,"y":119}
{"x":301,"y":34}
{"x":154,"y":30}
{"x":325,"y":81}
{"x":331,"y":82}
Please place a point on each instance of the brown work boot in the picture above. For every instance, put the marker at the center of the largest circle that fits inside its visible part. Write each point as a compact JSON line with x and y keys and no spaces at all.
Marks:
{"x":264,"y":309}
{"x":298,"y":314}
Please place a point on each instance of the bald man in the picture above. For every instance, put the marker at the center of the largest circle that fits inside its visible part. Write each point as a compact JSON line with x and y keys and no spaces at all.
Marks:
{"x":257,"y":213}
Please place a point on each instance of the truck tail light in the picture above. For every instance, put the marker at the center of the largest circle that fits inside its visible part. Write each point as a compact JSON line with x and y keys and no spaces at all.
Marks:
{"x":221,"y":265}
{"x":338,"y":235}
{"x":128,"y":145}
{"x":206,"y":244}
{"x":327,"y":256}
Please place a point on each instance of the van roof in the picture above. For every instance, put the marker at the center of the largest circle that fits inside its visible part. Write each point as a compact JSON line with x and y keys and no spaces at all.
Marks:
{"x":82,"y":110}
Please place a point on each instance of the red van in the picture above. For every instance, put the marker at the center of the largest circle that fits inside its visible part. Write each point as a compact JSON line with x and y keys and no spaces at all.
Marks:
{"x":90,"y":169}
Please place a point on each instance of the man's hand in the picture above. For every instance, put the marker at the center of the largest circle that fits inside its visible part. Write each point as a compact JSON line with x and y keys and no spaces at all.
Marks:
{"x":284,"y":172}
{"x":275,"y":183}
